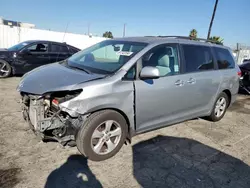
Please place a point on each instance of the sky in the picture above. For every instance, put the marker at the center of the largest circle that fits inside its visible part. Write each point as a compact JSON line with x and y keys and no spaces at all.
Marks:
{"x":142,"y":17}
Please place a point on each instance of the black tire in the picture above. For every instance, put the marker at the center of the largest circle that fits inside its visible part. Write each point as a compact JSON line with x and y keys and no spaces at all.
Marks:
{"x":84,"y":135}
{"x":213,"y":116}
{"x":6,"y":68}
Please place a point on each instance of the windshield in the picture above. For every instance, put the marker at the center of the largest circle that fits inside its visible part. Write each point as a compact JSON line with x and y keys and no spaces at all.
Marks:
{"x":18,"y":47}
{"x":105,"y":57}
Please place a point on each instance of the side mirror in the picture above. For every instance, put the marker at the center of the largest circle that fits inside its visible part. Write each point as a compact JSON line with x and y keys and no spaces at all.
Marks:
{"x":117,"y":48}
{"x":149,"y":73}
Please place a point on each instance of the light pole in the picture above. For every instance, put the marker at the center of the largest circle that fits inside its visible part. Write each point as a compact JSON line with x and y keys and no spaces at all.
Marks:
{"x":212,"y":19}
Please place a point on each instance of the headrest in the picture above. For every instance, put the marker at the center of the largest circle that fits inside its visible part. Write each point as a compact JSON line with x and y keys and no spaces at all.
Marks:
{"x":164,"y":61}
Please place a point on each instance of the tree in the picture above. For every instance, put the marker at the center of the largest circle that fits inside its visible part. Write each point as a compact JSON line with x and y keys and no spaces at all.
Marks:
{"x":193,"y":34}
{"x":216,"y":39}
{"x":108,"y":34}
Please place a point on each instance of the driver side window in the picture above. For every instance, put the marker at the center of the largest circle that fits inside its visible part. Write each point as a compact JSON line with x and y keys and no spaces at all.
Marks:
{"x":163,"y":57}
{"x":39,"y":47}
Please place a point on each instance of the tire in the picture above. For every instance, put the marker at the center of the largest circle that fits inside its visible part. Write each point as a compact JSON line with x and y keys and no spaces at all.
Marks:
{"x":98,"y":122}
{"x":5,"y":66}
{"x":215,"y":116}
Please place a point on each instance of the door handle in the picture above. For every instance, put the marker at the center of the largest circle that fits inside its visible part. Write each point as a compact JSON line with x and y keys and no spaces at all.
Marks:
{"x":191,"y":81}
{"x":179,"y":83}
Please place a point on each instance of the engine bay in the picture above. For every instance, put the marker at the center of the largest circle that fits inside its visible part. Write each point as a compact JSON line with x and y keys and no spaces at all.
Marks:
{"x":46,"y":118}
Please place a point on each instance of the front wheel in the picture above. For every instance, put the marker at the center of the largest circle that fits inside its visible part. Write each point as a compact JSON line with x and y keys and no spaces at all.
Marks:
{"x":102,"y":135}
{"x":5,"y":69}
{"x":219,"y":108}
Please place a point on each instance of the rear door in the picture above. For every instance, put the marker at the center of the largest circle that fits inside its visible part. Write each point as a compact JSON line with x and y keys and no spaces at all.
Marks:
{"x":58,"y":52}
{"x":227,"y":68}
{"x":201,"y":77}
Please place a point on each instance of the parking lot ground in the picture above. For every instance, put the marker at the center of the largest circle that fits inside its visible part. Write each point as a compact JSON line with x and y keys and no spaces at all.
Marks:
{"x":196,"y":153}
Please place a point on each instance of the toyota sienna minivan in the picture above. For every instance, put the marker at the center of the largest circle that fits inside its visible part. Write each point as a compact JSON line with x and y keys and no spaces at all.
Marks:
{"x":101,"y":97}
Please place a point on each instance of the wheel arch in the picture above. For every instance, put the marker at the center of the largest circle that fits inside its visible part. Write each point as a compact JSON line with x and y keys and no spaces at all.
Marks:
{"x":130,"y":131}
{"x":229,"y":94}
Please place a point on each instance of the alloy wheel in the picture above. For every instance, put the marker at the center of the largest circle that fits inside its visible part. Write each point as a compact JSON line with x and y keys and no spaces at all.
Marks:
{"x":220,"y":107}
{"x":4,"y":69}
{"x":106,"y":137}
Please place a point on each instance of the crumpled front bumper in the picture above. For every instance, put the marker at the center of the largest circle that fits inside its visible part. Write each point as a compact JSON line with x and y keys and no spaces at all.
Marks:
{"x":35,"y":115}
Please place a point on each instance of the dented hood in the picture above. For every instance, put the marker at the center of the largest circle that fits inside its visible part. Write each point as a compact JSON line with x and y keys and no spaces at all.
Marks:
{"x":53,"y":77}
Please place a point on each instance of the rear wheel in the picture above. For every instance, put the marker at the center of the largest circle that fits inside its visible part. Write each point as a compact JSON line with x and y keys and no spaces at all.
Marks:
{"x":5,"y":69}
{"x":219,"y":108}
{"x":102,"y":135}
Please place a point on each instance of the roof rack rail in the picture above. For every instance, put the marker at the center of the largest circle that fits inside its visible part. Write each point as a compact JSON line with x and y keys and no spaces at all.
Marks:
{"x":190,"y":38}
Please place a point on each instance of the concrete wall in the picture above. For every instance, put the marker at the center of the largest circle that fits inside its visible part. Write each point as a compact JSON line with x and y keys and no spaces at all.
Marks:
{"x":243,"y":54}
{"x":10,"y":36}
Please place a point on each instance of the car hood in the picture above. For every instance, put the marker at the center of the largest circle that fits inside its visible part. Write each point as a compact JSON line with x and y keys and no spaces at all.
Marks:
{"x":4,"y":53}
{"x":53,"y":77}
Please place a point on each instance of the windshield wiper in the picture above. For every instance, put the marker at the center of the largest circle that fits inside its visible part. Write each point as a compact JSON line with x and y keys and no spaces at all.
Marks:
{"x":79,"y":68}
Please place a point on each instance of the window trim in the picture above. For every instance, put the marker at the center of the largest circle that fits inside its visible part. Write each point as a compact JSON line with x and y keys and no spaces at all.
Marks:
{"x":125,"y":78}
{"x":139,"y":61}
{"x":184,"y":60}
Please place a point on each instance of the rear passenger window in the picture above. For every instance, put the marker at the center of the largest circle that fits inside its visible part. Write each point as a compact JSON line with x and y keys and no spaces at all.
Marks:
{"x":59,"y":48}
{"x":197,"y":58}
{"x":224,"y":58}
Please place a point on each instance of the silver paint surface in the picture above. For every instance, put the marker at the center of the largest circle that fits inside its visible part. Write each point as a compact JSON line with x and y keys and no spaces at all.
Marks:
{"x":152,"y":103}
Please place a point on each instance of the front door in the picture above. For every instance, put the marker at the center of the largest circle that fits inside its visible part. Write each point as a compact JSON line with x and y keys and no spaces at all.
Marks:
{"x":34,"y":56}
{"x":160,"y":101}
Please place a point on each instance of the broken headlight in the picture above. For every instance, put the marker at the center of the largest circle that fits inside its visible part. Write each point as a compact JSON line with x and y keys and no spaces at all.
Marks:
{"x":62,"y":96}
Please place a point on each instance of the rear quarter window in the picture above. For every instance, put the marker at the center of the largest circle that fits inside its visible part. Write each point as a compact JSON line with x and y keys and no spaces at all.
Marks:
{"x":224,"y":58}
{"x":73,"y":50}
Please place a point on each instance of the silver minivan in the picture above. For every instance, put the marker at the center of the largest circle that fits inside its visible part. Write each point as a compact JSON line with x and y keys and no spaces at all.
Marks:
{"x":101,"y":97}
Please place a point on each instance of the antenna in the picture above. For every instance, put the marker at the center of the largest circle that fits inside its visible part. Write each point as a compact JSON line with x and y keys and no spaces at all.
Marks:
{"x":66,"y":28}
{"x":65,"y":31}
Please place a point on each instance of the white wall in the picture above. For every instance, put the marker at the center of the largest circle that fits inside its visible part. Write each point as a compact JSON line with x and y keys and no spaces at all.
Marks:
{"x":243,"y":54}
{"x":11,"y":36}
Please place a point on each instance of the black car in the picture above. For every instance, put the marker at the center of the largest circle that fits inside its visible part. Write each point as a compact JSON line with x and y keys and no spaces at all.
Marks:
{"x":25,"y":56}
{"x":245,"y":76}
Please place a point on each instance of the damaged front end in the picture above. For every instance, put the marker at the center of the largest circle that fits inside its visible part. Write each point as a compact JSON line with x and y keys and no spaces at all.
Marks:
{"x":47,"y":120}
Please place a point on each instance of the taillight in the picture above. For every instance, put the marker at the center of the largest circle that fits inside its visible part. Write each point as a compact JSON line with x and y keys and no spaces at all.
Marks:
{"x":239,"y":73}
